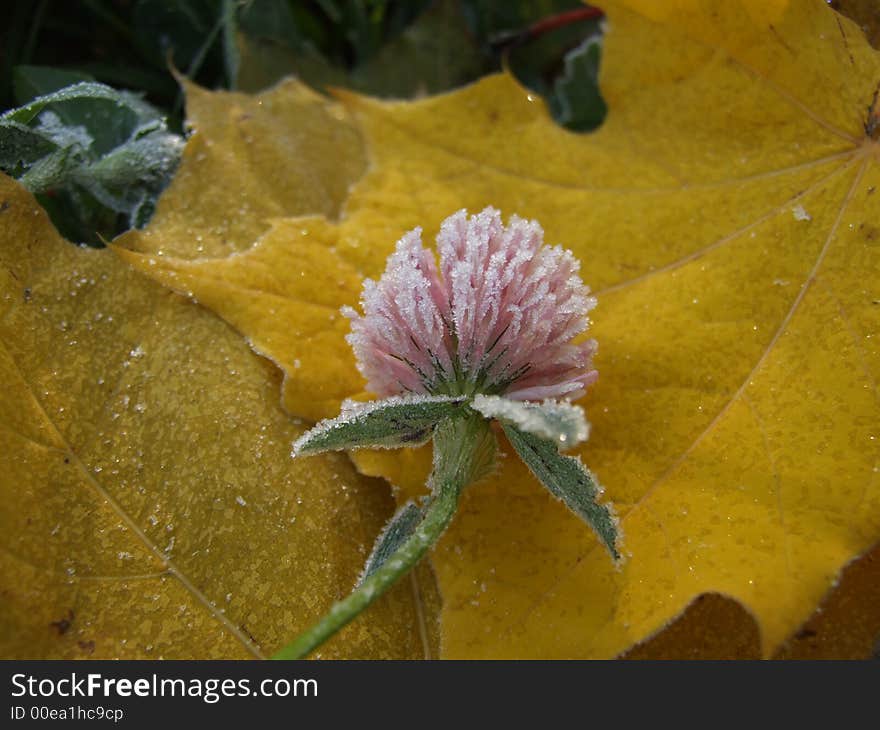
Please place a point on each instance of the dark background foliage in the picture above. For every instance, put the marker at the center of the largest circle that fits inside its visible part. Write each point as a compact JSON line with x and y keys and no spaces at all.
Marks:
{"x":387,"y":48}
{"x":384,"y":47}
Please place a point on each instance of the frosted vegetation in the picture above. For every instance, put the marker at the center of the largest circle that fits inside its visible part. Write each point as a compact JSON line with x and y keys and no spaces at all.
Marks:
{"x":94,"y":144}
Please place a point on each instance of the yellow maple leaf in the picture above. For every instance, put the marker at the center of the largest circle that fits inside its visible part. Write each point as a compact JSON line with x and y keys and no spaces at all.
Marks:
{"x":726,"y":216}
{"x":287,"y":151}
{"x":251,"y":161}
{"x":148,"y":503}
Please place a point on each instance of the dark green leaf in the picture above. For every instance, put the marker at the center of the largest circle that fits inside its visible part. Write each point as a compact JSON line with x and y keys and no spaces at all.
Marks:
{"x":79,"y":217}
{"x":576,"y":102}
{"x":21,"y":145}
{"x":398,"y":529}
{"x":560,"y":62}
{"x":51,"y":171}
{"x":569,"y":480}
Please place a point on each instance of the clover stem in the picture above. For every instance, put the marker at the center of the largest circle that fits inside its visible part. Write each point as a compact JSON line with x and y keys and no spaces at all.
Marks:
{"x":463,"y":450}
{"x":426,"y":534}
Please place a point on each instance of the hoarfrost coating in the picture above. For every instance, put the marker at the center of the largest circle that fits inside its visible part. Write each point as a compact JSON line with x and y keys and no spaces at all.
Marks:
{"x":497,"y":317}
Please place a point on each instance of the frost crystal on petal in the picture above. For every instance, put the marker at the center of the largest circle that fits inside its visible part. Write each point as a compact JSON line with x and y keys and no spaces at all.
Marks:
{"x":498,"y":316}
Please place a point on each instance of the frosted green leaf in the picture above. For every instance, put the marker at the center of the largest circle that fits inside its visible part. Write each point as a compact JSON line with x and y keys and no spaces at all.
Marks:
{"x":83,"y":90}
{"x":20,"y":144}
{"x":559,"y":421}
{"x":64,"y":149}
{"x":569,"y":480}
{"x":51,"y":170}
{"x":146,"y":157}
{"x":398,"y":529}
{"x":95,"y":147}
{"x":388,"y":423}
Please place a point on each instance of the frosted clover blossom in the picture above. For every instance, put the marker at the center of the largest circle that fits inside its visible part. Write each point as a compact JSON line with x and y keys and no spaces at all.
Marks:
{"x":497,"y":317}
{"x":494,"y":328}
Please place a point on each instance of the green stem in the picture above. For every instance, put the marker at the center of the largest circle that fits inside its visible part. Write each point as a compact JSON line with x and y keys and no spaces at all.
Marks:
{"x":231,"y":59}
{"x":463,"y":448}
{"x":426,"y":534}
{"x":197,"y":60}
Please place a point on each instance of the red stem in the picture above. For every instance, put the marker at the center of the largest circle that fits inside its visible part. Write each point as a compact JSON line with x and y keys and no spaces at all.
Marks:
{"x":560,"y":20}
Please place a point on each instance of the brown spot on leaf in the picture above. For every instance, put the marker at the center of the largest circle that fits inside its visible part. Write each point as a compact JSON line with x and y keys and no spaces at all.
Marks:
{"x":62,"y":625}
{"x":88,"y":647}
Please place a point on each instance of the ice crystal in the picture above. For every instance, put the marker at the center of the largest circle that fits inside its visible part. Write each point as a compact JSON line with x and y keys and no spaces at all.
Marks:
{"x":497,"y":316}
